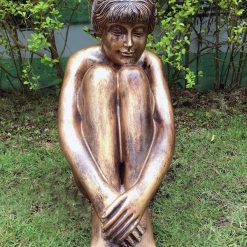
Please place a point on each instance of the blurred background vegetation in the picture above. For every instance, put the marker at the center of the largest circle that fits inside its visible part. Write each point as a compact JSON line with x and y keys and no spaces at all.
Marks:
{"x":203,"y":43}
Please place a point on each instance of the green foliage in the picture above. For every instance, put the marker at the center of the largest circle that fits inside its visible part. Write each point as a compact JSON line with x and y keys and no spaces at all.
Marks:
{"x":175,"y":23}
{"x":177,"y":20}
{"x":171,"y":40}
{"x":43,"y":18}
{"x":32,"y":82}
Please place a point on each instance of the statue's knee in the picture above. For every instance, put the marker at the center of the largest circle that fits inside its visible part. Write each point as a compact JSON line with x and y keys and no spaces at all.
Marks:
{"x":100,"y":72}
{"x":99,"y":75}
{"x":133,"y":76}
{"x":131,"y":71}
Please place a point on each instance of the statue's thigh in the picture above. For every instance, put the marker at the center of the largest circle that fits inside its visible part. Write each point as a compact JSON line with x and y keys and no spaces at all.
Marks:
{"x":137,"y":128}
{"x":97,"y":104}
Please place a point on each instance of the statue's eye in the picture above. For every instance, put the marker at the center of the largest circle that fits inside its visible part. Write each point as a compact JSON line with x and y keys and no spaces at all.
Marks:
{"x":139,"y":32}
{"x":116,"y":31}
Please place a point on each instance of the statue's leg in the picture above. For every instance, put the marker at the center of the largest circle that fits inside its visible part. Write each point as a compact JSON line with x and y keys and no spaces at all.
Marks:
{"x":137,"y":129}
{"x":97,"y":103}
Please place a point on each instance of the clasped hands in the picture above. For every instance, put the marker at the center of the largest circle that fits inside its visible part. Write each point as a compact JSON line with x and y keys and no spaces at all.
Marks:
{"x":121,"y":219}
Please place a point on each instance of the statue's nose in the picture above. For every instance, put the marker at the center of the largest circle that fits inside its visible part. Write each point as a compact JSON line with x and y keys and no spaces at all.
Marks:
{"x":128,"y":41}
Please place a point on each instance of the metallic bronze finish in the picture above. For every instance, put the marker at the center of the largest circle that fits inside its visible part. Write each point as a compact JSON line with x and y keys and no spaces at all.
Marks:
{"x":116,"y":123}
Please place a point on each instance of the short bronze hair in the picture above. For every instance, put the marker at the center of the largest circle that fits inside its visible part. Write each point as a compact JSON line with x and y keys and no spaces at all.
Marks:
{"x":126,"y":11}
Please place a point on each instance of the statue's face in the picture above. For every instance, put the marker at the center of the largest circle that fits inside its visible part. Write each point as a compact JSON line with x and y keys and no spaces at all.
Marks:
{"x":124,"y":43}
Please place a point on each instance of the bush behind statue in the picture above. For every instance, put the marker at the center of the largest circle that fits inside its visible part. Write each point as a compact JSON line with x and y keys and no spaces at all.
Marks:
{"x":171,"y":40}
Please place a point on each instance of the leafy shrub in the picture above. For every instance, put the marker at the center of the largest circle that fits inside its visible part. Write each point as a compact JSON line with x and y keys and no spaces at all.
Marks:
{"x":43,"y":18}
{"x":177,"y":20}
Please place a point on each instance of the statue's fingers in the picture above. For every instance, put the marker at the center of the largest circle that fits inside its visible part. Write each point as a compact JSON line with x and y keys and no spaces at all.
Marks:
{"x":133,"y":239}
{"x":140,"y":229}
{"x":108,"y":223}
{"x":130,"y":241}
{"x":113,"y":208}
{"x":117,"y":224}
{"x":121,"y":229}
{"x":125,"y":232}
{"x":124,"y":244}
{"x":115,"y":215}
{"x":127,"y":243}
{"x":136,"y":235}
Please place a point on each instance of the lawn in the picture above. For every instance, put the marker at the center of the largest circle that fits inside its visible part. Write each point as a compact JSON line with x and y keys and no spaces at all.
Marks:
{"x":202,"y":202}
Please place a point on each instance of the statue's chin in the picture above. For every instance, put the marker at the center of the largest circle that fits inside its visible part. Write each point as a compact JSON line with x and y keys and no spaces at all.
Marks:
{"x":123,"y":61}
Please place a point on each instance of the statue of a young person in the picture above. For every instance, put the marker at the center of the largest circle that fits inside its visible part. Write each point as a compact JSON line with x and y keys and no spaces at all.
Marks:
{"x":116,"y":123}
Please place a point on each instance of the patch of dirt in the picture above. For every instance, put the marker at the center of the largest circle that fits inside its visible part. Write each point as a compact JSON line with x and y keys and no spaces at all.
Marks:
{"x":215,"y":105}
{"x":212,"y":99}
{"x":33,"y":115}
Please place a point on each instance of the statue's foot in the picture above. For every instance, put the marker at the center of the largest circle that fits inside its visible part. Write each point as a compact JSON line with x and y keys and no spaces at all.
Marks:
{"x":142,"y":235}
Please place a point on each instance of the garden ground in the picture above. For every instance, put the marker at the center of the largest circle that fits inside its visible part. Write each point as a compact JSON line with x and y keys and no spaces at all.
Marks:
{"x":202,"y":202}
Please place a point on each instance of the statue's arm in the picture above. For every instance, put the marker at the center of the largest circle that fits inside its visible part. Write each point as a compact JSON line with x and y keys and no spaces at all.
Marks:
{"x":132,"y":203}
{"x":160,"y":154}
{"x":69,"y":125}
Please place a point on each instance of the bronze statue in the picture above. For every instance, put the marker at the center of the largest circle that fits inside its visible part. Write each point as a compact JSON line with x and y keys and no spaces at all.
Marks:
{"x":116,"y":123}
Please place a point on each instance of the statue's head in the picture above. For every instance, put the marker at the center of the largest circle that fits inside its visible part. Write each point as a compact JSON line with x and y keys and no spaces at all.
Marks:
{"x":123,"y":26}
{"x":124,"y":11}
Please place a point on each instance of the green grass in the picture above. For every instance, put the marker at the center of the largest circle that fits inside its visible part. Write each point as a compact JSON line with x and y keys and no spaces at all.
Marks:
{"x":202,"y":202}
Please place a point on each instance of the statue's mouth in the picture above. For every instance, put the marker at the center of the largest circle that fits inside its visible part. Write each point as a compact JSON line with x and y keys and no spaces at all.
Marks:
{"x":127,"y":53}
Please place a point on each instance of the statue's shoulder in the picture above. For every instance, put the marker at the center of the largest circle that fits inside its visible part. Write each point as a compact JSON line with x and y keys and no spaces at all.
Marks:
{"x":91,"y":53}
{"x":152,"y":58}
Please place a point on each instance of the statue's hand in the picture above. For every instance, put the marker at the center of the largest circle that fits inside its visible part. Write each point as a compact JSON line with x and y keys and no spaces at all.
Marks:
{"x":122,"y":217}
{"x":103,"y":201}
{"x":131,"y":240}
